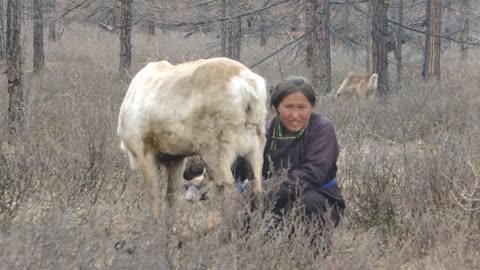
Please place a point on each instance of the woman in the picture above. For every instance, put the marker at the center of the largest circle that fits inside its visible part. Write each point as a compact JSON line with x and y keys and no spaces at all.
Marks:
{"x":305,"y":144}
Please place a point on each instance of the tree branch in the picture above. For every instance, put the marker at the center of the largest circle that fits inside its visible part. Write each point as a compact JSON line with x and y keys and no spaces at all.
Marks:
{"x":439,"y":36}
{"x":226,"y":19}
{"x":281,"y":49}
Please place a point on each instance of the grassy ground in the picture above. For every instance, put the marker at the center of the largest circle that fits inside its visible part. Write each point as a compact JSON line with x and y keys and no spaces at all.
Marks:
{"x":409,"y":169}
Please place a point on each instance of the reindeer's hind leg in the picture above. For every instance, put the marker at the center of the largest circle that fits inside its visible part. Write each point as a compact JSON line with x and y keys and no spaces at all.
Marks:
{"x":218,"y":160}
{"x":148,"y":166}
{"x":175,"y":171}
{"x":255,"y":159}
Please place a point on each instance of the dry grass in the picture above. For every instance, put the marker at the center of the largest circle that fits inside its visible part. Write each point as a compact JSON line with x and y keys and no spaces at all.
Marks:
{"x":409,"y":169}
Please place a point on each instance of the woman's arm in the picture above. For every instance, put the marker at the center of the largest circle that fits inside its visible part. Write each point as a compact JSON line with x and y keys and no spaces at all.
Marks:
{"x":320,"y":157}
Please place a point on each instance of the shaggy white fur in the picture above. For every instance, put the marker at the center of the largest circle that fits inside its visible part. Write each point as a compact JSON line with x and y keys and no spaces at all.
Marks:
{"x":215,"y":108}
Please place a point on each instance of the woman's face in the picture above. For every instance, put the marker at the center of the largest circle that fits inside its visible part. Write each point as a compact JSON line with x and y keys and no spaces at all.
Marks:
{"x":294,"y":111}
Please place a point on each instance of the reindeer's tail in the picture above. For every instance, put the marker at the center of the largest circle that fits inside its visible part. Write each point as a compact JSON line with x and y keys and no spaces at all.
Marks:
{"x":254,"y":97}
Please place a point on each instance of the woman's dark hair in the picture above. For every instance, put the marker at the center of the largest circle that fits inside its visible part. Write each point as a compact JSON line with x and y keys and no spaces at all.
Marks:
{"x":289,"y":86}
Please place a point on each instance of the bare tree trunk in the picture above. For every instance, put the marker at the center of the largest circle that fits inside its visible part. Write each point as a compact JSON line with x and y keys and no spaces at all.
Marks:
{"x":237,"y":39}
{"x":38,"y":53}
{"x":368,"y":49}
{"x":309,"y":9}
{"x":22,"y":13}
{"x":151,"y":18}
{"x":431,"y":67}
{"x":346,"y":15}
{"x":347,"y":49}
{"x":321,"y":70}
{"x":436,"y":42}
{"x":231,"y":31}
{"x":263,"y":30}
{"x":229,"y":36}
{"x":223,"y":35}
{"x":16,"y":98}
{"x":2,"y":32}
{"x":426,"y":51}
{"x":379,"y":44}
{"x":262,"y":27}
{"x":8,"y":29}
{"x":116,"y":13}
{"x":126,"y":36}
{"x":398,"y":44}
{"x":464,"y":30}
{"x":229,"y":40}
{"x":52,"y":33}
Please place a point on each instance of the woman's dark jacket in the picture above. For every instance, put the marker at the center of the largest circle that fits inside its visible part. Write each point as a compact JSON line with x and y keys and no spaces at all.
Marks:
{"x":310,"y":157}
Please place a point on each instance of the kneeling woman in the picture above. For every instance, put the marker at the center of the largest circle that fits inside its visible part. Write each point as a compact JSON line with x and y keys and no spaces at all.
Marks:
{"x":305,"y":144}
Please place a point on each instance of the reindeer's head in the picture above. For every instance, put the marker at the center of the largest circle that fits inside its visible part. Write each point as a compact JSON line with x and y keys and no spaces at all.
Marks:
{"x":195,"y":185}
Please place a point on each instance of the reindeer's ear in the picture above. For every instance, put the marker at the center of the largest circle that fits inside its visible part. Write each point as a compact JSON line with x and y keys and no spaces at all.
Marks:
{"x":332,"y":93}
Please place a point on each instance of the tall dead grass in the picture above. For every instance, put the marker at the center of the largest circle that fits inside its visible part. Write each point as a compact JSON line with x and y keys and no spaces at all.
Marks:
{"x":409,"y":170}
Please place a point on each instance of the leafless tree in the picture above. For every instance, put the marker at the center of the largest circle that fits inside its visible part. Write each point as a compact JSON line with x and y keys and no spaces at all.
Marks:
{"x":22,"y":13}
{"x":427,"y":48}
{"x":321,"y":77}
{"x":236,"y":43}
{"x":231,"y":35}
{"x":38,"y":52}
{"x":116,"y":12}
{"x":51,"y":8}
{"x":464,"y":29}
{"x":368,"y":43}
{"x":263,"y":30}
{"x":16,"y":101}
{"x":2,"y":31}
{"x":431,"y":64}
{"x":223,"y":34}
{"x":398,"y":43}
{"x":379,"y":44}
{"x":126,"y":36}
{"x":346,"y":14}
{"x":309,"y":7}
{"x":151,"y":17}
